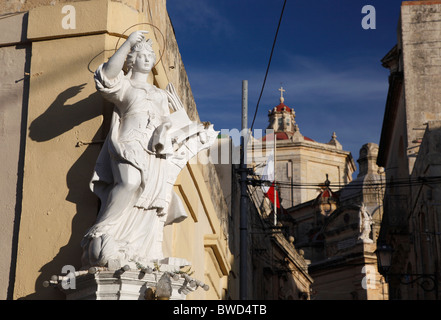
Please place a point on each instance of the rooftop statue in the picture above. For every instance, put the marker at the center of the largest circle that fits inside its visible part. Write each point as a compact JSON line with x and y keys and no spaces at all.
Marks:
{"x":145,"y":150}
{"x":365,"y":224}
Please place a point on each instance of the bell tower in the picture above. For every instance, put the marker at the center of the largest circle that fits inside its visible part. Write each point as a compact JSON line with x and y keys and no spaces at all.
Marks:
{"x":282,"y":117}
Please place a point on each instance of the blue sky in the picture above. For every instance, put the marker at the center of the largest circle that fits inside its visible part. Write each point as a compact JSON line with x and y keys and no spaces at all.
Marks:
{"x":328,"y":64}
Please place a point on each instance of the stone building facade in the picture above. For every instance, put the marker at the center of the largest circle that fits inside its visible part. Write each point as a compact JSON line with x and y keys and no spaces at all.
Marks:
{"x":409,"y":153}
{"x":15,"y":54}
{"x":277,"y":270}
{"x":52,"y":125}
{"x":344,"y":264}
{"x":330,"y":220}
{"x":334,"y":222}
{"x":300,"y":159}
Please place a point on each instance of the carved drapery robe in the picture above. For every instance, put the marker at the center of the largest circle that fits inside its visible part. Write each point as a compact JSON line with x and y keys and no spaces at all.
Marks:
{"x":158,"y":144}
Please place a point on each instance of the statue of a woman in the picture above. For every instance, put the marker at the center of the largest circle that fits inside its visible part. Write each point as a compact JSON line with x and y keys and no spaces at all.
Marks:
{"x":145,"y":150}
{"x":365,"y":224}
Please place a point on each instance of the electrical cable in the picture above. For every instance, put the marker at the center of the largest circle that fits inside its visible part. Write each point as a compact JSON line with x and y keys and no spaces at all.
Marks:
{"x":269,"y":63}
{"x":353,"y":185}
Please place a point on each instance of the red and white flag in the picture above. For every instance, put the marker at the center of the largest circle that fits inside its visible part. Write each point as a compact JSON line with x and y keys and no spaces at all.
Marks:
{"x":271,"y":196}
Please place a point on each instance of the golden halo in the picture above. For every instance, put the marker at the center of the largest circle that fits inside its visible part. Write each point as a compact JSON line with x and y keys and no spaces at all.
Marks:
{"x":163,"y":38}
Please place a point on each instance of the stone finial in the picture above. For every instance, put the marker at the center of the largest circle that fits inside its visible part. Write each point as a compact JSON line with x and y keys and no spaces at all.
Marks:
{"x":368,"y":159}
{"x":334,"y":141}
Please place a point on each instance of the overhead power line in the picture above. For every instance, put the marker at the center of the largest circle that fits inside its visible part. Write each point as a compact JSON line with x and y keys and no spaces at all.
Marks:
{"x":355,"y":185}
{"x":267,"y":68}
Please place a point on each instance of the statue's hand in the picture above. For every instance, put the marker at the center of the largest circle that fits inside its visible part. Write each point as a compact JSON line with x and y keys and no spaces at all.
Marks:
{"x":136,"y":37}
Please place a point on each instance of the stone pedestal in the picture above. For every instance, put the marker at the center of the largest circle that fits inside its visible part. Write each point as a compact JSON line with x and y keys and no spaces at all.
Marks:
{"x":121,"y":285}
{"x":130,"y":282}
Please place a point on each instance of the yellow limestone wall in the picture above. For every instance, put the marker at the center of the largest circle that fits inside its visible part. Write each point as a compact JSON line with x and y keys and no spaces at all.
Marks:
{"x":65,"y":115}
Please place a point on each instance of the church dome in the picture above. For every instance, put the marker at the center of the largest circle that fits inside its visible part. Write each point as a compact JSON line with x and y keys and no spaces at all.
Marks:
{"x":279,"y":136}
{"x":282,"y":107}
{"x":283,"y":136}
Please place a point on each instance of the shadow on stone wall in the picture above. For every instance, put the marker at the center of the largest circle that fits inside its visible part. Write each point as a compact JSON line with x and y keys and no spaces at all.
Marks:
{"x":59,"y":118}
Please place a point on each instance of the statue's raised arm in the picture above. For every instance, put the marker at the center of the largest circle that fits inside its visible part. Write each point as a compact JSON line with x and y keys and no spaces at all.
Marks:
{"x":116,"y":63}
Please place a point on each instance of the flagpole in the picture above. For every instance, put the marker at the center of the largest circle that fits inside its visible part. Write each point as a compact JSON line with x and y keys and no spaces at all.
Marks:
{"x":243,"y":270}
{"x":275,"y":190}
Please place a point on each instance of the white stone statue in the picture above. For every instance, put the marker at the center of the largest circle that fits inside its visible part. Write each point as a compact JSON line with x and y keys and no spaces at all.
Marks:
{"x":146,"y":148}
{"x":366,"y":222}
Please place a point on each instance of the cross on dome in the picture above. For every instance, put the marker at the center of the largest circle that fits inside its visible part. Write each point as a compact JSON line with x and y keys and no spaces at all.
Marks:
{"x":281,"y":94}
